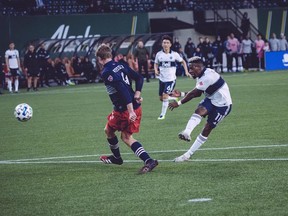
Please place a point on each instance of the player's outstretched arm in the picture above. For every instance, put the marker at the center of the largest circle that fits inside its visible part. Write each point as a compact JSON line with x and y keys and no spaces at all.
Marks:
{"x":189,"y":96}
{"x":177,"y":93}
{"x":186,"y":69}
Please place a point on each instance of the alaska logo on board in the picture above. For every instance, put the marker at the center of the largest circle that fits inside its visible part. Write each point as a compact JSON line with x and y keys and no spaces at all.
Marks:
{"x":63,"y":30}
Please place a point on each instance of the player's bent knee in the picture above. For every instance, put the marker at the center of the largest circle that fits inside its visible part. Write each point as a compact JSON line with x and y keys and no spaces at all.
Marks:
{"x":127,"y":138}
{"x":109,"y":132}
{"x":202,"y":111}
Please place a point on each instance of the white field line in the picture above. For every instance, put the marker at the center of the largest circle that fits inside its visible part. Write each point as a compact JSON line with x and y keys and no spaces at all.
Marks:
{"x":44,"y":160}
{"x":139,"y":161}
{"x":200,"y":200}
{"x":101,"y":89}
{"x":150,"y":152}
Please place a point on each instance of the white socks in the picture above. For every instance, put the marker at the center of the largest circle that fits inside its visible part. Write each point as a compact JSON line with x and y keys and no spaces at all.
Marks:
{"x":165,"y":103}
{"x":16,"y":83}
{"x":9,"y":85}
{"x":192,"y":123}
{"x":196,"y":145}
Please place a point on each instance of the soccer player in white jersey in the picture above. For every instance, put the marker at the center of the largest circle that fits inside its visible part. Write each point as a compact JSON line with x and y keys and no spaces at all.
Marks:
{"x":13,"y":65}
{"x":165,"y":61}
{"x":216,"y":105}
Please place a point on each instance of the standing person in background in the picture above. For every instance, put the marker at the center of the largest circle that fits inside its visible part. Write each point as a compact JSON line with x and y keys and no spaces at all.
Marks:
{"x":31,"y":67}
{"x":233,"y":45}
{"x":245,"y":25}
{"x":127,"y":111}
{"x":283,"y":42}
{"x":189,"y":48}
{"x":246,"y":51}
{"x":200,"y":45}
{"x":43,"y":57}
{"x":13,"y":66}
{"x":141,"y":55}
{"x":176,"y":45}
{"x":274,"y":43}
{"x":166,"y":60}
{"x":217,"y":50}
{"x":259,"y":46}
{"x":207,"y":52}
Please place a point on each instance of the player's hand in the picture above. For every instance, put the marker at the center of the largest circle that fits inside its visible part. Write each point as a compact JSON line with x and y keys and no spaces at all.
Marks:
{"x":173,"y":105}
{"x":189,"y":75}
{"x":156,"y":73}
{"x":175,"y":93}
{"x":132,"y":116}
{"x":139,"y":100}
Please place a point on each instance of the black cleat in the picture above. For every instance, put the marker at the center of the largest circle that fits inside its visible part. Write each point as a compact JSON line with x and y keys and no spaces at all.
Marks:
{"x":184,"y":136}
{"x":111,"y":160}
{"x":151,"y":164}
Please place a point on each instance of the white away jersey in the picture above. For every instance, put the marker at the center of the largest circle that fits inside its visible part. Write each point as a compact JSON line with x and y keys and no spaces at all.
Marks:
{"x":215,"y":88}
{"x":167,"y":65}
{"x":12,"y":56}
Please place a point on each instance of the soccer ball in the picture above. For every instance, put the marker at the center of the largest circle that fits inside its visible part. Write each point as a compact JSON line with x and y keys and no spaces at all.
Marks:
{"x":23,"y":112}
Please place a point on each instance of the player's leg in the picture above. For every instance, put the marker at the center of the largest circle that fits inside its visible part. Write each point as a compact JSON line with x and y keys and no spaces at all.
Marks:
{"x":9,"y":83}
{"x":113,"y":124}
{"x":215,"y":116}
{"x":113,"y":143}
{"x":145,"y":66}
{"x":140,"y":152}
{"x":202,"y":110}
{"x":166,"y":88}
{"x":200,"y":140}
{"x":16,"y":84}
{"x":35,"y":83}
{"x":29,"y":81}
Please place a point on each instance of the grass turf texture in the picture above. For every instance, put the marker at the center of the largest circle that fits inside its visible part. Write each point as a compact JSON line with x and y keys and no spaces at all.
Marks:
{"x":69,"y":121}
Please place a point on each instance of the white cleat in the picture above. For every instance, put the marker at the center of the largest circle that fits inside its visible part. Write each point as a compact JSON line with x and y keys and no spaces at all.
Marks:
{"x":181,"y":158}
{"x":184,"y":136}
{"x":161,"y":117}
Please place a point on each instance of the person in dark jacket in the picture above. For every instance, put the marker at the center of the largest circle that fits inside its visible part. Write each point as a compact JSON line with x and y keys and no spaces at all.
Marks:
{"x":189,"y":48}
{"x":31,"y":68}
{"x":43,"y":57}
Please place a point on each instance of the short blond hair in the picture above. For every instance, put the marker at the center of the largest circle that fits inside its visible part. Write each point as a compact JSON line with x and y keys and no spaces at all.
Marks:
{"x":104,"y":52}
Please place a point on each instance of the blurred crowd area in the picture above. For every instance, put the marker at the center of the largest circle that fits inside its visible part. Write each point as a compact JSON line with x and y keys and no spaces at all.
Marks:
{"x":230,"y":54}
{"x":65,"y":7}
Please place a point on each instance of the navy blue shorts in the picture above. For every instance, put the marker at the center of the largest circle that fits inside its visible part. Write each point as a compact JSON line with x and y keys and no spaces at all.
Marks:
{"x":166,"y":87}
{"x":13,"y":72}
{"x":215,"y":114}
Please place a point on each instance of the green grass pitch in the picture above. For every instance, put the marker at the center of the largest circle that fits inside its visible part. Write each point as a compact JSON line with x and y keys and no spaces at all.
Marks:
{"x":50,"y":165}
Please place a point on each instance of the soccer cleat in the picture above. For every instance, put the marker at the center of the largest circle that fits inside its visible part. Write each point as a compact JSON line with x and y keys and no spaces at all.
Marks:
{"x":184,"y":136}
{"x":149,"y":166}
{"x":70,"y":83}
{"x":181,"y":158}
{"x":161,"y":117}
{"x":111,"y":160}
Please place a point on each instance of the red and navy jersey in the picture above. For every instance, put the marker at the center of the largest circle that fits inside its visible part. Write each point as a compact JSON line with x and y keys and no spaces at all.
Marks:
{"x":118,"y":77}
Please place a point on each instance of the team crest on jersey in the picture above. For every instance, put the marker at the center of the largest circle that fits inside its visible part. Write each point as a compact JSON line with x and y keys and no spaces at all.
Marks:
{"x":110,"y":78}
{"x":201,"y":83}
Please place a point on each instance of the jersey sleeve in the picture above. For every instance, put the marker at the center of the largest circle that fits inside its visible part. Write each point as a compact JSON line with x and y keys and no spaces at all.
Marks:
{"x":6,"y":54}
{"x":156,"y":58}
{"x":137,"y":78}
{"x":178,"y":58}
